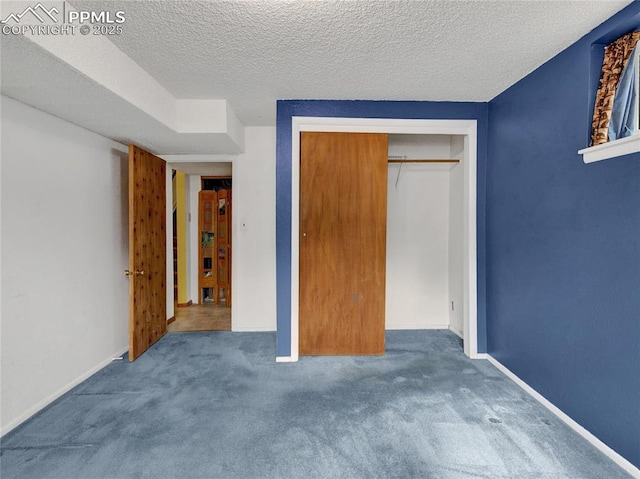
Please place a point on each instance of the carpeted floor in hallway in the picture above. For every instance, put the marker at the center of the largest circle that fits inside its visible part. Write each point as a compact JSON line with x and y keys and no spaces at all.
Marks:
{"x":216,"y":405}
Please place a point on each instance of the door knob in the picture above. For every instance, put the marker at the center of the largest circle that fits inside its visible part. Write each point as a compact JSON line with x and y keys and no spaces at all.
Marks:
{"x":133,"y":273}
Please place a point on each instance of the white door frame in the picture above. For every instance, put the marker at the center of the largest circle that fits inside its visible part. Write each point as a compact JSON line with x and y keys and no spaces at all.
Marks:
{"x":466,"y":128}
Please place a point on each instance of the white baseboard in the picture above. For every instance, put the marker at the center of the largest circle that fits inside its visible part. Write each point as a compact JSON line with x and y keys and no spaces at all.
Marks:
{"x":456,"y":332}
{"x":416,"y":327}
{"x":254,"y":329}
{"x":45,"y":402}
{"x":286,"y":359}
{"x":614,"y":456}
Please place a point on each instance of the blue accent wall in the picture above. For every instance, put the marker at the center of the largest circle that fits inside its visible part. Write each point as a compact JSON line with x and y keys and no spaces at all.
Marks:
{"x":364,"y":109}
{"x":563,"y":246}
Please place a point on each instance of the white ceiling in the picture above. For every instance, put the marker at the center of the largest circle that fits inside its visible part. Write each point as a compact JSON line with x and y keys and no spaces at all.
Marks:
{"x":254,"y":52}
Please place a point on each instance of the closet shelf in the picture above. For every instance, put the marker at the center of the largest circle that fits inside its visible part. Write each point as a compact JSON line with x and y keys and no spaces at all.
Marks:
{"x":407,"y":160}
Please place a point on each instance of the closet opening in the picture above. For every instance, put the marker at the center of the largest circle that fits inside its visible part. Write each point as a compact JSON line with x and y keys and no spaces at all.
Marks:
{"x":431,"y":210}
{"x":425,"y":224}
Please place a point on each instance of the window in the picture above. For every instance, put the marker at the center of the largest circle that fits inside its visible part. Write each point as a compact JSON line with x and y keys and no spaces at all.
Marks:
{"x":616,"y":116}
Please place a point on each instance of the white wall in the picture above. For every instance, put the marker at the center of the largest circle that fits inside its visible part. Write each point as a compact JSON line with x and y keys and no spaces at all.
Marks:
{"x":195,"y":183}
{"x":417,"y":285}
{"x":169,"y":240}
{"x":64,"y":250}
{"x":456,"y":237}
{"x":254,"y":233}
{"x":190,"y":246}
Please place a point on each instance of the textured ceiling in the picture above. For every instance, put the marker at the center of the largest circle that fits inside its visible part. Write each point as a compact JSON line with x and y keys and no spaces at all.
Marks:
{"x":255,"y":52}
{"x":35,"y":77}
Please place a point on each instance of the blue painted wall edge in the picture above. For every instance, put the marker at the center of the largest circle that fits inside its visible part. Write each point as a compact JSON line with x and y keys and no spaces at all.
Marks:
{"x":563,"y":246}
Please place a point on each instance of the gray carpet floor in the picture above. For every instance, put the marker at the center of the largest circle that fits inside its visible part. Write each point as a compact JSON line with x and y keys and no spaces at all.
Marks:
{"x":216,"y":405}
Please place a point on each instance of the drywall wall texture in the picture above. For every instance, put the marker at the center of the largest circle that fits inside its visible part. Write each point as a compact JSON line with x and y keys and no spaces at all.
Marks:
{"x":169,"y":242}
{"x":563,"y":247}
{"x":417,"y":275}
{"x":362,"y":109}
{"x":456,"y":238}
{"x":195,"y":185}
{"x":64,"y":250}
{"x":254,"y":233}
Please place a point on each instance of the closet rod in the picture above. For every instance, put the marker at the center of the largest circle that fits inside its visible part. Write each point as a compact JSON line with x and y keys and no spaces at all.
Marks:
{"x":423,"y":161}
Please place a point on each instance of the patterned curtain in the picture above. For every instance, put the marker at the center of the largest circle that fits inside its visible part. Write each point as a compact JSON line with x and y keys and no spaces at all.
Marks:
{"x":616,"y":56}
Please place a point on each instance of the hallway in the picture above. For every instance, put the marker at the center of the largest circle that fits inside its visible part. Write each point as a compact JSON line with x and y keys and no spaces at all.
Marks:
{"x":201,"y":317}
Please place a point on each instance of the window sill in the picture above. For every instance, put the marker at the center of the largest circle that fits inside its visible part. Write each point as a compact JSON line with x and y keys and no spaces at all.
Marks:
{"x":623,"y":146}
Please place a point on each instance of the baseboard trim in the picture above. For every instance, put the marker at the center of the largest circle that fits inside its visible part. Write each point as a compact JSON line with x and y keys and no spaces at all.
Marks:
{"x":601,"y":446}
{"x":185,"y":305}
{"x":171,"y":320}
{"x":456,"y":332}
{"x":416,"y":327}
{"x":249,"y":329}
{"x":286,"y":359}
{"x":48,"y":400}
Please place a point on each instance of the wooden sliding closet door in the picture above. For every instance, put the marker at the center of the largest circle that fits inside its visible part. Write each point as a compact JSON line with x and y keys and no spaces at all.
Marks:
{"x":343,"y":224}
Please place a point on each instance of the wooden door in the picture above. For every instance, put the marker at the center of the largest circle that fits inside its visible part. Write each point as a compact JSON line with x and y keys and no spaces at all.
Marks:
{"x":147,"y":251}
{"x":224,"y":246}
{"x":343,"y":223}
{"x":207,"y":286}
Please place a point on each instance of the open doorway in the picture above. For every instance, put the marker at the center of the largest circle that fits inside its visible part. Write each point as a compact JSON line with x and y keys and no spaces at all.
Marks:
{"x":208,"y":218}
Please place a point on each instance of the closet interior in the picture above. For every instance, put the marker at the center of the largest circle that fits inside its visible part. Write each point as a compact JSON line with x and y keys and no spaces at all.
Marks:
{"x":425,"y":227}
